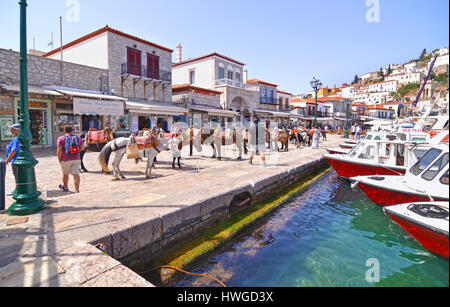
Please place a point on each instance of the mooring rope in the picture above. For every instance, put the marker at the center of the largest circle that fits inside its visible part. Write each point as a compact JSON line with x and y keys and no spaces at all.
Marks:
{"x":185,"y":272}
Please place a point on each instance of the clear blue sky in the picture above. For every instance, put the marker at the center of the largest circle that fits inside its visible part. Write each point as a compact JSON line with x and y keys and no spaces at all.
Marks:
{"x":285,"y":42}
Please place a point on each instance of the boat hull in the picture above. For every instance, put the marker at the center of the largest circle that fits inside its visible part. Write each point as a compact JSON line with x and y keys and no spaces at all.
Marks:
{"x":386,"y":197}
{"x":348,"y":169}
{"x":436,"y":243}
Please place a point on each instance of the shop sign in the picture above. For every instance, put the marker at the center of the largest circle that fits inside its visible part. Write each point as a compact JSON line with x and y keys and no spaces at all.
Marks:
{"x":84,"y":106}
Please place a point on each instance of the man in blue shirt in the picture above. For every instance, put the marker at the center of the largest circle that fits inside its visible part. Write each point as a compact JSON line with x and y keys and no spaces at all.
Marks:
{"x":12,"y":151}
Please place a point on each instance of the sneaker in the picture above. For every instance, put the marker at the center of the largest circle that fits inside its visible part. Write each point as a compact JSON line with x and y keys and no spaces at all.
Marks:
{"x":61,"y":187}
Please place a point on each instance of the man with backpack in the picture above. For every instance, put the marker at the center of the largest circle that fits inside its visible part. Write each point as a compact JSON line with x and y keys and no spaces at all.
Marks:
{"x":69,"y":149}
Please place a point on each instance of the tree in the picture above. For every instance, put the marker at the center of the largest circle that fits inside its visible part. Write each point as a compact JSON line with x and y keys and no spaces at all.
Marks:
{"x":389,"y":70}
{"x":356,"y":80}
{"x":424,"y":52}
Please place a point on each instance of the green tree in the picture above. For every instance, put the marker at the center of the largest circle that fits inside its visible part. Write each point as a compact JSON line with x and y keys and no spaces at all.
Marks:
{"x":424,"y":52}
{"x":389,"y":70}
{"x":356,"y":80}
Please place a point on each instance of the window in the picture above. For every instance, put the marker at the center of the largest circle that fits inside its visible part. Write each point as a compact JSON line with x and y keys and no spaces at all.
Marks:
{"x":230,"y":75}
{"x":426,"y":160}
{"x":238,"y":77}
{"x":152,"y":66}
{"x":134,"y":61}
{"x":221,"y":73}
{"x":368,"y":154}
{"x":436,"y":168}
{"x":444,"y":179}
{"x":192,"y":77}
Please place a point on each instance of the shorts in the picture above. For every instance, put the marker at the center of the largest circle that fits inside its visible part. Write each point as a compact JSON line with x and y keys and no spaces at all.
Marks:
{"x":255,"y":148}
{"x":71,"y":167}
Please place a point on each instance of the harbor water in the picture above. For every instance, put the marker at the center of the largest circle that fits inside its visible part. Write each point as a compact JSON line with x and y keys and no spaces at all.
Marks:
{"x":326,"y":236}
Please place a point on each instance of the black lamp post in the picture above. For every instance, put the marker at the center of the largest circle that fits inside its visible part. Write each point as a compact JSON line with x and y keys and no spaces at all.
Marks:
{"x":316,"y":85}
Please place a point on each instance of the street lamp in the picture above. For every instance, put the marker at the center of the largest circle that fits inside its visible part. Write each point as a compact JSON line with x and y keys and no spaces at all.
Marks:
{"x":347,"y":102}
{"x":27,"y":196}
{"x":316,"y":85}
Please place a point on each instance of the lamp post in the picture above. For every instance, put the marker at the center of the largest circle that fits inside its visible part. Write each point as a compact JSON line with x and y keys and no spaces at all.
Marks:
{"x":347,"y":102}
{"x":27,"y":197}
{"x":316,"y":85}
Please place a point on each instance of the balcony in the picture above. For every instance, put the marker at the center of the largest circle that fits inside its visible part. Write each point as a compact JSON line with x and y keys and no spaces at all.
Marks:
{"x":229,"y":82}
{"x":271,"y":100}
{"x":131,"y":69}
{"x":319,"y":114}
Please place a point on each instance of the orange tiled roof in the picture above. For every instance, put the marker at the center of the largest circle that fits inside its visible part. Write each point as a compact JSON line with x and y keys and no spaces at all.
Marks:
{"x":101,"y":31}
{"x":177,"y":88}
{"x":256,"y":81}
{"x":207,"y":56}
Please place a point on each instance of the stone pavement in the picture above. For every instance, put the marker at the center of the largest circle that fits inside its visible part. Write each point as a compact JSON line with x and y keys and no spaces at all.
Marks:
{"x":54,"y":247}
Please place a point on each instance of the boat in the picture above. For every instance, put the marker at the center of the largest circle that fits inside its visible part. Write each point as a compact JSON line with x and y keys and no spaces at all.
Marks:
{"x":380,"y":153}
{"x":427,"y":180}
{"x":347,"y":146}
{"x":427,"y":222}
{"x":336,"y":150}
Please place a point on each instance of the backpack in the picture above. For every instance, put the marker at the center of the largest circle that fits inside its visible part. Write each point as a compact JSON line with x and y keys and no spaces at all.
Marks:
{"x":72,"y":146}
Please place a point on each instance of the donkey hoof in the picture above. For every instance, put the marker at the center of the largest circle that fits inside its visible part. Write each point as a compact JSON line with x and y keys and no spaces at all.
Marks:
{"x":115,"y":179}
{"x":123,"y":177}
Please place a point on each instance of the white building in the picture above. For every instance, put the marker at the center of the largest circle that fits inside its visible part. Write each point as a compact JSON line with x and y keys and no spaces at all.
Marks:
{"x":385,"y":86}
{"x":284,"y":100}
{"x":414,"y":77}
{"x":220,"y":73}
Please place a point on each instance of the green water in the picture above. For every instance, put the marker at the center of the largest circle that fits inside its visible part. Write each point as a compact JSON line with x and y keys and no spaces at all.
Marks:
{"x":323,"y":238}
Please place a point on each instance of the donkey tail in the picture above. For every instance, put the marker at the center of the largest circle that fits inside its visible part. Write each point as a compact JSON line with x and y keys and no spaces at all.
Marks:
{"x":104,"y":156}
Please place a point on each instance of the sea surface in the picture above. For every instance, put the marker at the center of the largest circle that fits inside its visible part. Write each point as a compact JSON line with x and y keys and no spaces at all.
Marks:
{"x":326,"y":236}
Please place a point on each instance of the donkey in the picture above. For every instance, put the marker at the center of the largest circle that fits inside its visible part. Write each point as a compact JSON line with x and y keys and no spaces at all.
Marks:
{"x":118,"y":147}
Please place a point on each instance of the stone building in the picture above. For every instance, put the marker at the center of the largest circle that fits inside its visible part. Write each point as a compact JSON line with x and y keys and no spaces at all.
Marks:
{"x":268,"y":103}
{"x":53,"y":88}
{"x":138,"y":70}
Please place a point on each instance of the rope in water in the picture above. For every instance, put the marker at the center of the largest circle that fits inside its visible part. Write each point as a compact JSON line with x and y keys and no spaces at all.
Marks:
{"x":185,"y":272}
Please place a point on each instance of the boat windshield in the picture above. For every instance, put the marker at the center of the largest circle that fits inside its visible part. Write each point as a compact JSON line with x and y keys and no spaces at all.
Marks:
{"x":355,"y":149}
{"x":420,"y":152}
{"x":436,"y":168}
{"x":369,"y":137}
{"x":426,"y":160}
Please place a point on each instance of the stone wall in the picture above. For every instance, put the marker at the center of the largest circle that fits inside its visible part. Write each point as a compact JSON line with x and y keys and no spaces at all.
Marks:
{"x":44,"y":71}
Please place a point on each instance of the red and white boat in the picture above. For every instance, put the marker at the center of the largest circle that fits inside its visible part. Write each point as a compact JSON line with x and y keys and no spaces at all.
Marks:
{"x":427,"y":222}
{"x":336,"y":150}
{"x":427,"y":180}
{"x":380,"y":153}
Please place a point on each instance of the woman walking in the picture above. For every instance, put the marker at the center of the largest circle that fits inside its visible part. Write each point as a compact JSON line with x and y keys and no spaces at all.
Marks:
{"x":176,"y":145}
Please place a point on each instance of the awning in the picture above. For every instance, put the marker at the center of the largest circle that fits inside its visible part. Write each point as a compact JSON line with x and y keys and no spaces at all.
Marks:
{"x":152,"y":108}
{"x":281,"y":114}
{"x":31,"y":89}
{"x":264,"y":112}
{"x":213,"y":111}
{"x":83,"y":93}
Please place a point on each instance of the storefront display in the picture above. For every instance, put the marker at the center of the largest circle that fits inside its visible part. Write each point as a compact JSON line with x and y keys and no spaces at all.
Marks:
{"x":40,"y":120}
{"x":5,"y":132}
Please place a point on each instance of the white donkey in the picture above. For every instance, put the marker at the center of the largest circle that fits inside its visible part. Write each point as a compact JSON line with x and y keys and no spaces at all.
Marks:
{"x":118,"y":147}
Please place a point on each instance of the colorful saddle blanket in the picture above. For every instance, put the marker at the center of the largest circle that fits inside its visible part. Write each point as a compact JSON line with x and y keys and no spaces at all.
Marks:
{"x":95,"y":137}
{"x":147,"y":142}
{"x":169,"y":135}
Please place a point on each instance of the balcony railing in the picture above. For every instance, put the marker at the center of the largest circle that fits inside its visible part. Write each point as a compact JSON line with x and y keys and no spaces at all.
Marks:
{"x":271,"y":100}
{"x":229,"y":82}
{"x":319,"y":114}
{"x":130,"y":69}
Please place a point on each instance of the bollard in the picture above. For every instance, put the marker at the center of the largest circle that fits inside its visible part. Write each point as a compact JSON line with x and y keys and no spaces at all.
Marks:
{"x":2,"y":185}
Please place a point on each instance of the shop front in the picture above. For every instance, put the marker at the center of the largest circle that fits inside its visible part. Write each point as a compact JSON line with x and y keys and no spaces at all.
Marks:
{"x":40,"y":115}
{"x":147,"y":115}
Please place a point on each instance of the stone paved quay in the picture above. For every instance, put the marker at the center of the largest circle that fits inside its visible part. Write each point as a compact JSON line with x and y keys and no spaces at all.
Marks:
{"x":54,"y":247}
